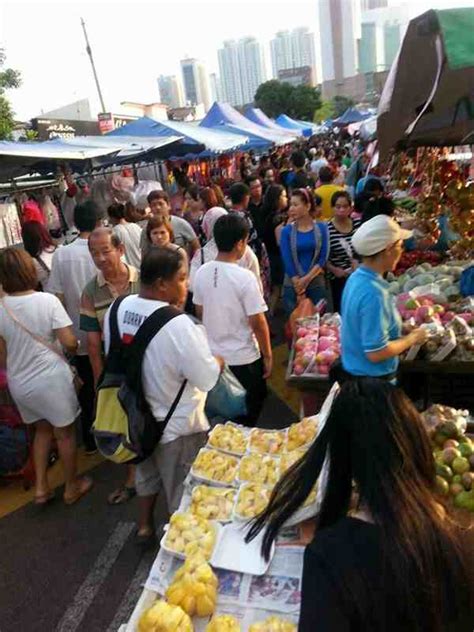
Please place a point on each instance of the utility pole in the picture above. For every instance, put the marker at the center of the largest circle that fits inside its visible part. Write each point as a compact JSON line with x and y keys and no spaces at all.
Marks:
{"x":89,"y":52}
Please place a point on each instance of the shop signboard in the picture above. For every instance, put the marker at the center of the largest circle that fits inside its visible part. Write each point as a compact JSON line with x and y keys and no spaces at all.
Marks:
{"x":49,"y":129}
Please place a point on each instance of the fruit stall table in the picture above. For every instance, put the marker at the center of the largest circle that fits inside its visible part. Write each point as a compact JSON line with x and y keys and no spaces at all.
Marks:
{"x":248,"y":588}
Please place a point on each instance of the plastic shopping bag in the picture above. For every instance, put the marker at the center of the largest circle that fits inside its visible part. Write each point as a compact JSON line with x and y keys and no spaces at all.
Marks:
{"x":228,"y":397}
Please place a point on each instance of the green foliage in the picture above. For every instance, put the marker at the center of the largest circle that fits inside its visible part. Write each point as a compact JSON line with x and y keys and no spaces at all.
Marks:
{"x":9,"y":79}
{"x":277,"y":97}
{"x":326,"y":111}
{"x":341,"y":104}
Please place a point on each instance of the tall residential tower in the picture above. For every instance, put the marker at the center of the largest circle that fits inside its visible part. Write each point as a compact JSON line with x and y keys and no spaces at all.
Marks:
{"x":241,"y":70}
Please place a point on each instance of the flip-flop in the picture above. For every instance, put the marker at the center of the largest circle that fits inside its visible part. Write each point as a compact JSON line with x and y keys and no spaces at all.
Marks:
{"x":84,"y":485}
{"x":121,"y":495}
{"x":44,"y":499}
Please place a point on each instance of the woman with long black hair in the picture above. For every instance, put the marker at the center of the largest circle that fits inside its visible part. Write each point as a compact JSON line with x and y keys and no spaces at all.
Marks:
{"x":398,"y":563}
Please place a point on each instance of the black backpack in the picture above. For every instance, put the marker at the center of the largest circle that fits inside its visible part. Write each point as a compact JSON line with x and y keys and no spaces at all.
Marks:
{"x":125,"y":429}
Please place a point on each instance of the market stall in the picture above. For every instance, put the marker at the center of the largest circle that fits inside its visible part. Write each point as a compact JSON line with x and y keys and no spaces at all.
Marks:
{"x":228,"y":484}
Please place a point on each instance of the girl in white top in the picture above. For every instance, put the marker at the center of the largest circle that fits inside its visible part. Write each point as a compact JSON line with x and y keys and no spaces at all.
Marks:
{"x":40,"y":381}
{"x":210,"y":251}
{"x":128,"y":233}
{"x":41,"y":247}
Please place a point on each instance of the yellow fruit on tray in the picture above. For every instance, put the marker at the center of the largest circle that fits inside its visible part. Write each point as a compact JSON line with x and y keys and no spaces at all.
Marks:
{"x":252,"y":499}
{"x":194,"y":587}
{"x":215,"y":466}
{"x":163,"y":617}
{"x":287,"y":460}
{"x":223,"y":623}
{"x":267,"y":441}
{"x":212,"y":502}
{"x":273,"y":624}
{"x":189,"y":534}
{"x":256,"y":468}
{"x":229,"y":438}
{"x":302,"y":433}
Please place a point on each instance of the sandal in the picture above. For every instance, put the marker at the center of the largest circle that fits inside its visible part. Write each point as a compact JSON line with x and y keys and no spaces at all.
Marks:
{"x":145,"y":540}
{"x":44,"y":499}
{"x":84,"y":485}
{"x":121,"y":495}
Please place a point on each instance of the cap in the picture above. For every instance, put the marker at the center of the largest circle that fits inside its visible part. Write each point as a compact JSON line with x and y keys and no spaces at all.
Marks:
{"x":377,"y":234}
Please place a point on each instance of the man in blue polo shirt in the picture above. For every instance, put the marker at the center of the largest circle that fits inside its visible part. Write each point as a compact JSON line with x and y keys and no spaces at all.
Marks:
{"x":371,"y":326}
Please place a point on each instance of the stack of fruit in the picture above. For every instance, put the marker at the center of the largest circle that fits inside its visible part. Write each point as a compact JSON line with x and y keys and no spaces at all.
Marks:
{"x":228,"y":438}
{"x":302,"y":433}
{"x":273,"y":624}
{"x":315,"y":351}
{"x":454,"y":457}
{"x":252,"y":500}
{"x":258,"y":468}
{"x":223,"y":623}
{"x":267,"y":441}
{"x":212,"y":503}
{"x":194,"y":587}
{"x":189,"y":534}
{"x":163,"y":617}
{"x":215,"y":466}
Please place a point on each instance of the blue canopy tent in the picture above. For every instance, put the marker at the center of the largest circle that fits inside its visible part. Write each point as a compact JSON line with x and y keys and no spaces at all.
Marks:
{"x":81,"y":153}
{"x":224,"y":115}
{"x":351,"y":115}
{"x":260,"y":118}
{"x":285,"y":121}
{"x":195,"y":140}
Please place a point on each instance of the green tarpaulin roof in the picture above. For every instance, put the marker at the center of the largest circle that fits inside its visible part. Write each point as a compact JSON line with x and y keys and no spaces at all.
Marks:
{"x":457,"y":27}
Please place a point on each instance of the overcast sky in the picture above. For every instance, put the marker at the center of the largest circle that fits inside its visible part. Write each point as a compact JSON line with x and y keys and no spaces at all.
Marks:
{"x":133,"y":42}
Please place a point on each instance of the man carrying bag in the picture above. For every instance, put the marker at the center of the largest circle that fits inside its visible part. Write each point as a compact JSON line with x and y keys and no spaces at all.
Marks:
{"x":178,"y":353}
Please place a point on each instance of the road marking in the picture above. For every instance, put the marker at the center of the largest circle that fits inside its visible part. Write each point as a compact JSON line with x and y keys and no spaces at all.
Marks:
{"x":90,"y":587}
{"x":133,"y":592}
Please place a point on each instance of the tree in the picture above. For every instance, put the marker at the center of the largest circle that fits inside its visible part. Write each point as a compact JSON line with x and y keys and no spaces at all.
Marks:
{"x":9,"y":79}
{"x":277,"y":97}
{"x":340,"y":104}
{"x":326,"y":111}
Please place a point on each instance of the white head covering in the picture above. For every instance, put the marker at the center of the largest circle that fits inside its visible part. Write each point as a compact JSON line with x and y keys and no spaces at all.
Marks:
{"x":376,"y":234}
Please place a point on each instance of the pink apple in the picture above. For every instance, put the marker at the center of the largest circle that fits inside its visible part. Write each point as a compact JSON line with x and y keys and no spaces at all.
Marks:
{"x":301,"y":332}
{"x":323,"y":369}
{"x":298,"y":369}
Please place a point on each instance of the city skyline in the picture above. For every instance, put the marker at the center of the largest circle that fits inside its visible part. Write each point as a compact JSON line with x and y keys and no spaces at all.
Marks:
{"x":148,"y":40}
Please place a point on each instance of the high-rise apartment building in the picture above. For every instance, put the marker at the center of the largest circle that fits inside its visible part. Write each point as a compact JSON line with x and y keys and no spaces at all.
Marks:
{"x":293,"y":49}
{"x":215,"y":87}
{"x":171,"y":91}
{"x":340,"y":28}
{"x":196,"y":83}
{"x":382,"y":32}
{"x":241,"y":69}
{"x":368,"y":5}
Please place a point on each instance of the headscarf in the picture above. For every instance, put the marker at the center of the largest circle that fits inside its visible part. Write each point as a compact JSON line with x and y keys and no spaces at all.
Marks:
{"x":210,"y":218}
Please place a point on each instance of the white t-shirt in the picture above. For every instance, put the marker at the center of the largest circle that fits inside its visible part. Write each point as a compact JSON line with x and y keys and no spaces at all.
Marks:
{"x":317,"y":164}
{"x":179,"y":351}
{"x":72,"y":268}
{"x":228,"y":295}
{"x":43,"y":271}
{"x":130,"y":235}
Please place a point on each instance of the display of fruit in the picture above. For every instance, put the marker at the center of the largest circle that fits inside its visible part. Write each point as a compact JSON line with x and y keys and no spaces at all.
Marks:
{"x":189,"y":534}
{"x":228,"y":438}
{"x":453,"y":454}
{"x":194,"y":587}
{"x":164,"y":617}
{"x":215,"y":466}
{"x":223,"y":623}
{"x":213,"y":503}
{"x":273,"y":624}
{"x":252,"y":500}
{"x":288,"y":459}
{"x":302,"y":433}
{"x":316,"y":350}
{"x":267,"y":441}
{"x":257,"y":468}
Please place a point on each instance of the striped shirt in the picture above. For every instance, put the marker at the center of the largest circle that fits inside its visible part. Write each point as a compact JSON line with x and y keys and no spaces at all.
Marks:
{"x":340,"y":246}
{"x":98,"y":296}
